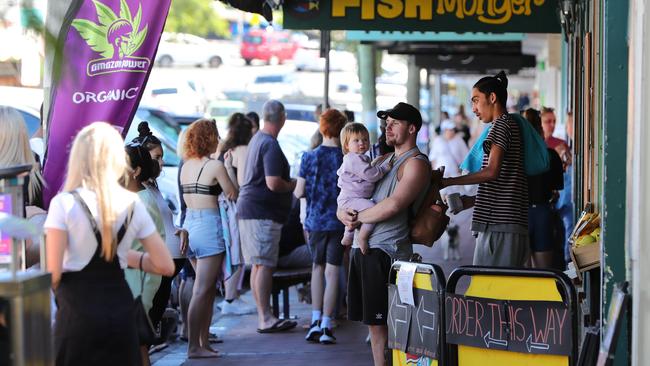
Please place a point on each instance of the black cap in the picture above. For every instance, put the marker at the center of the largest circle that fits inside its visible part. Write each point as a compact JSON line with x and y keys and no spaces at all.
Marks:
{"x":404,"y":112}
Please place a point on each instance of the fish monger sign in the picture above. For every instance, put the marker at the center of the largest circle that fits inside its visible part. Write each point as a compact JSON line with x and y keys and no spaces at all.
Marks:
{"x":526,"y":16}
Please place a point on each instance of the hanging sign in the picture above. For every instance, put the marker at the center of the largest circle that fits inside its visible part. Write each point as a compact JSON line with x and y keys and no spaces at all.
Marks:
{"x":105,"y":51}
{"x":498,"y":16}
{"x":539,"y":327}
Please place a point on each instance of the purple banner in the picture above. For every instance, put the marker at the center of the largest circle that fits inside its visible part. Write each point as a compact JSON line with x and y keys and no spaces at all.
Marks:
{"x":107,"y":54}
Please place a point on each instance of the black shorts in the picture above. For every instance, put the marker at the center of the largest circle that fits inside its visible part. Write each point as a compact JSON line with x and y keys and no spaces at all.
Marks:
{"x":368,"y":286}
{"x":326,"y":246}
{"x":540,"y":227}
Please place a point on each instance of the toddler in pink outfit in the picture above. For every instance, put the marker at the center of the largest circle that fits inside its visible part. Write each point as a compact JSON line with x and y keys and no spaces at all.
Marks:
{"x":357,"y":178}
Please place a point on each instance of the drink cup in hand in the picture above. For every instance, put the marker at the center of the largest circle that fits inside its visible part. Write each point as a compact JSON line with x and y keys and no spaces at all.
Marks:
{"x":454,"y":202}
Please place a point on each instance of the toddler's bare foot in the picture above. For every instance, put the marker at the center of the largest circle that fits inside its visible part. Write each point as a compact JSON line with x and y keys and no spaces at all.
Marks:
{"x":347,"y":241}
{"x":363,"y":245}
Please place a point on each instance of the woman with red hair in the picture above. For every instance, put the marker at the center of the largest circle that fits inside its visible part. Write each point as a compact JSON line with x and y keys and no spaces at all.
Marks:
{"x":317,"y":182}
{"x":202,"y":180}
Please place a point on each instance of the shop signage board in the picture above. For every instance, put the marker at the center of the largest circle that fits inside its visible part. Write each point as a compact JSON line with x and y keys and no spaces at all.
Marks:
{"x":414,"y":329}
{"x":535,"y":327}
{"x":106,"y":49}
{"x":497,"y":16}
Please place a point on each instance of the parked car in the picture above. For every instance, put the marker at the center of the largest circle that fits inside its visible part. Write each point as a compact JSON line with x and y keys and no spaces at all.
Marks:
{"x":221,"y":110}
{"x":294,"y":140}
{"x":267,"y":46}
{"x":179,"y":49}
{"x":174,"y":96}
{"x":166,"y":129}
{"x":307,"y":58}
{"x":300,"y":112}
{"x":273,"y":86}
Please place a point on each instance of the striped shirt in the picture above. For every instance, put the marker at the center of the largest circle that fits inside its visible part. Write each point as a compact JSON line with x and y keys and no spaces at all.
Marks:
{"x":503,"y":201}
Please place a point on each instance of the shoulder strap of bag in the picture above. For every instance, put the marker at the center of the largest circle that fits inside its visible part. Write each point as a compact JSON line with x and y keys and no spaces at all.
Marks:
{"x":98,"y":236}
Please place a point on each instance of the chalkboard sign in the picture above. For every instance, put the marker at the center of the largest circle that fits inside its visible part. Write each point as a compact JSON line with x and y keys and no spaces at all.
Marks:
{"x":414,"y":329}
{"x":539,"y":327}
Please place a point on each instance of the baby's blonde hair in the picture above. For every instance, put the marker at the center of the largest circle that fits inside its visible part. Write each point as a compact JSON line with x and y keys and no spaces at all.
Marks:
{"x":351,"y":129}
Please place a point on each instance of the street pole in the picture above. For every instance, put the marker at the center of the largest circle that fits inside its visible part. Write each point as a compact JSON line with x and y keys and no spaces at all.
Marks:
{"x":325,"y":43}
{"x":368,"y":92}
{"x":413,"y":83}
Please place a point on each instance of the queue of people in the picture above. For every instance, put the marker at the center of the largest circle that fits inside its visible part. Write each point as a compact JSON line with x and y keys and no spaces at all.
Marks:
{"x":112,"y":242}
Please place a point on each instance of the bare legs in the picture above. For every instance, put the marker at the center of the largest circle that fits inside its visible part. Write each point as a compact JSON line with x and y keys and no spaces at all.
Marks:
{"x":261,"y":282}
{"x":378,"y":341}
{"x":201,"y":306}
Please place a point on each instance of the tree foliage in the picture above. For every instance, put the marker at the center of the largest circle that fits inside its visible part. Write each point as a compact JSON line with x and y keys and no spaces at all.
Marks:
{"x":196,"y":17}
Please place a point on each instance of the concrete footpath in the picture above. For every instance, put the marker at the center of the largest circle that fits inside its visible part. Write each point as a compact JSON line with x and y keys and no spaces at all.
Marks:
{"x":243,"y":345}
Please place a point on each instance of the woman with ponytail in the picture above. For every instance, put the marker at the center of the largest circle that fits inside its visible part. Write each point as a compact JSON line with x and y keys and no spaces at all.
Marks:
{"x":143,"y":169}
{"x":90,"y":227}
{"x":500,"y":220}
{"x":175,"y":237}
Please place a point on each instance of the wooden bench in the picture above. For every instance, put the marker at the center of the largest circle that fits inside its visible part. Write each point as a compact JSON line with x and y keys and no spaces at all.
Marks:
{"x":283,"y":279}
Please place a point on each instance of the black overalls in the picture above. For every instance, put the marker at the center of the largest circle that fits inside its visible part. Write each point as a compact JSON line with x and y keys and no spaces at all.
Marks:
{"x":95,"y":324}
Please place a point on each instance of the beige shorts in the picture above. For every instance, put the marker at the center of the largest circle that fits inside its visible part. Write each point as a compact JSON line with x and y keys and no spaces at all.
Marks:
{"x":260,"y":241}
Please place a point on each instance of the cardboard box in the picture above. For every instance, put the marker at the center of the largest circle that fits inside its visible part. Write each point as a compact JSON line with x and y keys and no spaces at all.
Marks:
{"x":586,"y":257}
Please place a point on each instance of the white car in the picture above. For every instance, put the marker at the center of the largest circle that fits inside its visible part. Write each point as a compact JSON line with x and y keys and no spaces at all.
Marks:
{"x":174,"y":96}
{"x":294,"y":140}
{"x":179,"y":49}
{"x":273,"y":86}
{"x":307,"y":58}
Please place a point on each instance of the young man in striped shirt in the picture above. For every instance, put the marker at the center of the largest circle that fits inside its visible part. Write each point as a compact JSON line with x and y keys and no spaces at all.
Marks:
{"x":500,"y":221}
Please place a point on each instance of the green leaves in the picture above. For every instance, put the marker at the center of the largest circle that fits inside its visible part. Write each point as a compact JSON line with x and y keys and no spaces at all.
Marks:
{"x":125,"y":12}
{"x":136,"y":41}
{"x":95,"y":36}
{"x":105,"y":15}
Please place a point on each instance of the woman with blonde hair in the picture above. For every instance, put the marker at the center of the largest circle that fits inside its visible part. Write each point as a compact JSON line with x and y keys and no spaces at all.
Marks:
{"x":202,"y":180}
{"x":15,"y":150}
{"x":90,"y":228}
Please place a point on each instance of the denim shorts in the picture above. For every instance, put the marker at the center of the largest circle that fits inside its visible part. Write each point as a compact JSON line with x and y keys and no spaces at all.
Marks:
{"x":205,"y":232}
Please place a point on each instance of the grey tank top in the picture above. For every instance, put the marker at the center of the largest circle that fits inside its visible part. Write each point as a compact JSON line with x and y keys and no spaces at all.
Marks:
{"x":393,"y":235}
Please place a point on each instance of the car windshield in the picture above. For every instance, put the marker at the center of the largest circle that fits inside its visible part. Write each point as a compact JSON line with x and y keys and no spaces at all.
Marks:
{"x":164,"y":91}
{"x":164,"y":130}
{"x":300,"y":115}
{"x":224,"y":111}
{"x":253,"y":39}
{"x":269,"y":79}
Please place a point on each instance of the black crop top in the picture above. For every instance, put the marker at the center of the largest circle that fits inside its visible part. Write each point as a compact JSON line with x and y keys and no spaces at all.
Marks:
{"x":198,"y":188}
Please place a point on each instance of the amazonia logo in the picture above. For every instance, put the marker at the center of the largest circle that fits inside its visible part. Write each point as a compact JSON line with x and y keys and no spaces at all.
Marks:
{"x":115,"y":38}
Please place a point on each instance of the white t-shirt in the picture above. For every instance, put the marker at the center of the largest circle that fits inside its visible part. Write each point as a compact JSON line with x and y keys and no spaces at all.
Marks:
{"x":448,"y":153}
{"x":66,"y":214}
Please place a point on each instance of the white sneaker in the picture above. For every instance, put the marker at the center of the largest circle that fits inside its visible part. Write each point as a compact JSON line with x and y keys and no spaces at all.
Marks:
{"x":237,"y":307}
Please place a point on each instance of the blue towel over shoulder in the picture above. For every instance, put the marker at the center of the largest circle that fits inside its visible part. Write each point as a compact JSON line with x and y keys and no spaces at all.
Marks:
{"x":536,"y":159}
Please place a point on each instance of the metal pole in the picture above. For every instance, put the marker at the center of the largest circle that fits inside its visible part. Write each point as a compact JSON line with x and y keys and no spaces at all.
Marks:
{"x":325,"y":52}
{"x":368,"y":92}
{"x":413,"y":83}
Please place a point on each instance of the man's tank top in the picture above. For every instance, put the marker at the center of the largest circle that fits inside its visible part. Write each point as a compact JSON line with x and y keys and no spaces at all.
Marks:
{"x":393,"y":235}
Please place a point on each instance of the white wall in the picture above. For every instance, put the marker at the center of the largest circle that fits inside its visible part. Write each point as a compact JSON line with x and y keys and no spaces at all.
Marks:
{"x":638,"y":179}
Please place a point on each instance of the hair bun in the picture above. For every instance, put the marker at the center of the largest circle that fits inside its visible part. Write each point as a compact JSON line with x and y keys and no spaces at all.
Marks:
{"x":501,"y":76}
{"x":143,"y":129}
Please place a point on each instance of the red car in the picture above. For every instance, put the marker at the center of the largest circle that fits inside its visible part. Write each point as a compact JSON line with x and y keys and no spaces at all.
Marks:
{"x":270,"y":47}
